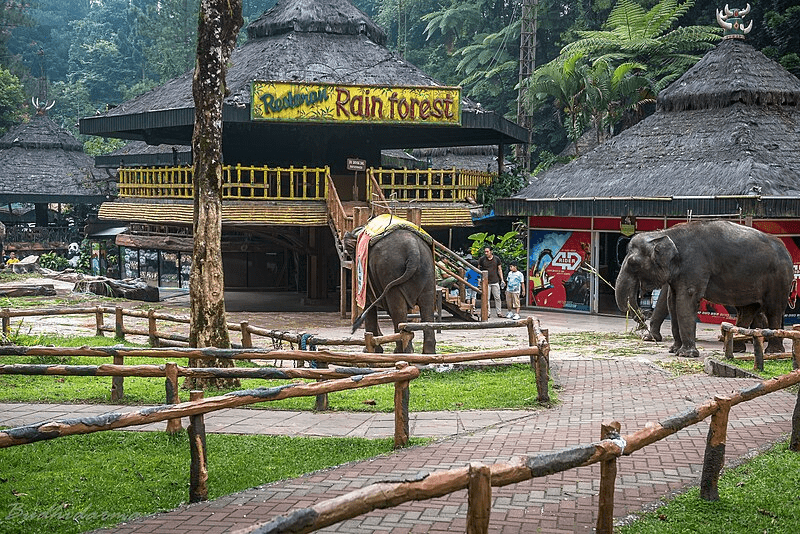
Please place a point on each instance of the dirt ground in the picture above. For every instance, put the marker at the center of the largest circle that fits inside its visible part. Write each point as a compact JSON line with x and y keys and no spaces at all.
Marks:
{"x":572,"y":335}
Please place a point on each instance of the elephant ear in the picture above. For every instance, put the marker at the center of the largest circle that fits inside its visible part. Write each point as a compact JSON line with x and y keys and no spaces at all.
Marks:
{"x":665,"y":256}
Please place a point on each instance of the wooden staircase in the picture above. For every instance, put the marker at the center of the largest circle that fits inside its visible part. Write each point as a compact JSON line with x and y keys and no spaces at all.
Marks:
{"x":343,"y":217}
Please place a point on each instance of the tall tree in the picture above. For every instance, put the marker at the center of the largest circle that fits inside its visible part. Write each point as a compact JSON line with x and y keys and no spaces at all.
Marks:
{"x":218,"y":27}
{"x":12,"y":101}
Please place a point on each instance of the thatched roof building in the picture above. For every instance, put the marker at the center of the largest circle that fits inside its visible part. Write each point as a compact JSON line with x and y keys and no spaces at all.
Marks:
{"x":725,"y":139}
{"x":41,"y":162}
{"x":301,"y":41}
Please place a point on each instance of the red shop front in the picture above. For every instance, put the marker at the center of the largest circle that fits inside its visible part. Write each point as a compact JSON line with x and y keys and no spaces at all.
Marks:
{"x":573,"y":262}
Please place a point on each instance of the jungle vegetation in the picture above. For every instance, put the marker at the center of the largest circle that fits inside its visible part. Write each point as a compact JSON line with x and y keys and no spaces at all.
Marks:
{"x":88,"y":55}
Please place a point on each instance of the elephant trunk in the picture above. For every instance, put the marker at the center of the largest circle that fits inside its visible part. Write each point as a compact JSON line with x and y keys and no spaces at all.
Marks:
{"x":626,"y":292}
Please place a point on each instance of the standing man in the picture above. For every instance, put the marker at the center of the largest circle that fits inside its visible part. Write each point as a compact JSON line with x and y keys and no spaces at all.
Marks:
{"x":490,"y":262}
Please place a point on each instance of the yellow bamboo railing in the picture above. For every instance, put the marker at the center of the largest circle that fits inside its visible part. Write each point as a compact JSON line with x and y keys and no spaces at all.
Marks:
{"x":436,"y":185}
{"x":240,"y":182}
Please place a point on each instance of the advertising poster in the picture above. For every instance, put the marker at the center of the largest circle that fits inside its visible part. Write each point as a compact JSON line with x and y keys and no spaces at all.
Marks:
{"x":792,"y":315}
{"x":558,"y":276}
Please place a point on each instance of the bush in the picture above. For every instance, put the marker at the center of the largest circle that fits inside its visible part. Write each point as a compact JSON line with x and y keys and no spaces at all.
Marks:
{"x":53,"y":261}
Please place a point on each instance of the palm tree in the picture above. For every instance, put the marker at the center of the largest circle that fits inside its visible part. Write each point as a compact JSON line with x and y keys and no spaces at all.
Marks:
{"x":636,"y":35}
{"x":566,"y":83}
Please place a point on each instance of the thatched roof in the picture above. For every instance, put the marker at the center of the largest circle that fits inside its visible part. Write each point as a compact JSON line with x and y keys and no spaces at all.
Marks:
{"x":730,"y":127}
{"x":300,"y":41}
{"x":476,"y":158}
{"x":333,"y":16}
{"x":41,"y":162}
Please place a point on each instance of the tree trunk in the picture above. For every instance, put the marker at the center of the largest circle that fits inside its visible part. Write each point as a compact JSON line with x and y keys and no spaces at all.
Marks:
{"x":218,"y":27}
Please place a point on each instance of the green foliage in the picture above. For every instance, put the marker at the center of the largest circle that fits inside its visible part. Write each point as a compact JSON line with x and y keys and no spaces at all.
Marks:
{"x":509,"y":247}
{"x":547,"y":159}
{"x":98,"y":146}
{"x":53,"y":261}
{"x":75,"y":484}
{"x":759,"y":496}
{"x":12,"y":101}
{"x":502,"y":186}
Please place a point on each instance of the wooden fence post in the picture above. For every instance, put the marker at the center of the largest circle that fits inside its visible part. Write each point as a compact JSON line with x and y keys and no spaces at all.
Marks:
{"x":171,"y":385}
{"x":758,"y":350}
{"x":714,"y":456}
{"x":727,"y":342}
{"x":198,"y":474}
{"x":484,"y":295}
{"x":401,"y":419}
{"x":6,"y":322}
{"x":608,"y":475}
{"x":98,"y":318}
{"x":321,"y":400}
{"x":369,"y":342}
{"x":151,"y":328}
{"x":794,"y":441}
{"x":119,"y":327}
{"x":795,"y":350}
{"x":479,"y":498}
{"x":117,"y":382}
{"x":247,"y":339}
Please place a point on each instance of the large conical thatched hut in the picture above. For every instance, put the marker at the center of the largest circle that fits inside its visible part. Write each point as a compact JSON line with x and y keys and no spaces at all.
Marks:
{"x":315,"y":98}
{"x":723,"y":143}
{"x":43,"y":164}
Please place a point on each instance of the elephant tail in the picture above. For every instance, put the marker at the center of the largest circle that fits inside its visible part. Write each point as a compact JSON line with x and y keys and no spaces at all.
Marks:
{"x":407,"y":274}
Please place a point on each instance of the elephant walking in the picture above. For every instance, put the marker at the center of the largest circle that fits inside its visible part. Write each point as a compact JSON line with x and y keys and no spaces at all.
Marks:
{"x":720,"y":261}
{"x":400,"y":274}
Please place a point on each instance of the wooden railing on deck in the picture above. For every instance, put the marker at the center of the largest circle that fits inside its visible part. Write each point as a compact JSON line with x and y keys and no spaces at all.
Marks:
{"x":436,"y":185}
{"x":240,"y":182}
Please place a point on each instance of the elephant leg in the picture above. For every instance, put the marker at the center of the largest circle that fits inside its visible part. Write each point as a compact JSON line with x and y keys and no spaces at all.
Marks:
{"x":398,"y":311}
{"x":659,"y":314}
{"x":426,"y":312}
{"x":745,"y":318}
{"x":676,"y":331}
{"x":687,"y":303}
{"x":371,"y":325}
{"x":774,"y":320}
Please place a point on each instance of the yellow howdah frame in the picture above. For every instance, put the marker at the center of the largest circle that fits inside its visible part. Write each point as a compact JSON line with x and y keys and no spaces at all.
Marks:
{"x":320,"y":102}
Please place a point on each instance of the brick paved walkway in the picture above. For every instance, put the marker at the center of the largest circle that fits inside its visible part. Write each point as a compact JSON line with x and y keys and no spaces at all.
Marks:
{"x":630,"y":391}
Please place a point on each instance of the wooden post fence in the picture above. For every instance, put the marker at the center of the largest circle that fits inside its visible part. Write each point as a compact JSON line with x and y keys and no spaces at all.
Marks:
{"x":479,"y":498}
{"x":608,"y":477}
{"x":171,"y":386}
{"x":714,"y":457}
{"x":198,"y":473}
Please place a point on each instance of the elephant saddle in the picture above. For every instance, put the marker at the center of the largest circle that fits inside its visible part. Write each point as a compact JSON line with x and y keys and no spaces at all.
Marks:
{"x":370,"y":233}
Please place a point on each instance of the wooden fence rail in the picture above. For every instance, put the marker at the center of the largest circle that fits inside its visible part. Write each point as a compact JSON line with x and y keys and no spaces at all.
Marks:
{"x":440,"y":483}
{"x":538,"y":349}
{"x":758,"y":335}
{"x":198,"y":406}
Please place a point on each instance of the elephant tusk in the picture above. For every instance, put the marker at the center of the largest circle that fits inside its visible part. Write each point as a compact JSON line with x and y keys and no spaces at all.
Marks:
{"x":748,"y":28}
{"x":728,"y":12}
{"x":745,"y":11}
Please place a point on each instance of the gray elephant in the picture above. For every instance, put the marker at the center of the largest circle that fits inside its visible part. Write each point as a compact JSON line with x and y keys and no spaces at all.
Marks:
{"x":660,"y":312}
{"x":400,"y":275}
{"x":720,"y":261}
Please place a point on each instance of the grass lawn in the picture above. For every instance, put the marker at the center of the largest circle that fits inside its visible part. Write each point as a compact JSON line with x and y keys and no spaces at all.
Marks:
{"x":760,"y":496}
{"x":79,"y":483}
{"x":500,"y":387}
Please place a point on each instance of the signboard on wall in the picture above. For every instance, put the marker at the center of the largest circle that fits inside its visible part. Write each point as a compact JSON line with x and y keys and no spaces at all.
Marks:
{"x":558,"y":275}
{"x":320,"y":102}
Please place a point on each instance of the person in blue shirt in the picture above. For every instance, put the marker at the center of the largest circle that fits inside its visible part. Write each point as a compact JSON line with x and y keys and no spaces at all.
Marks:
{"x":514,"y":290}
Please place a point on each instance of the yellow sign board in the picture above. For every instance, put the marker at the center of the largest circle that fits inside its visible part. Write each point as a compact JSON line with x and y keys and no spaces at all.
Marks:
{"x":318,"y":102}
